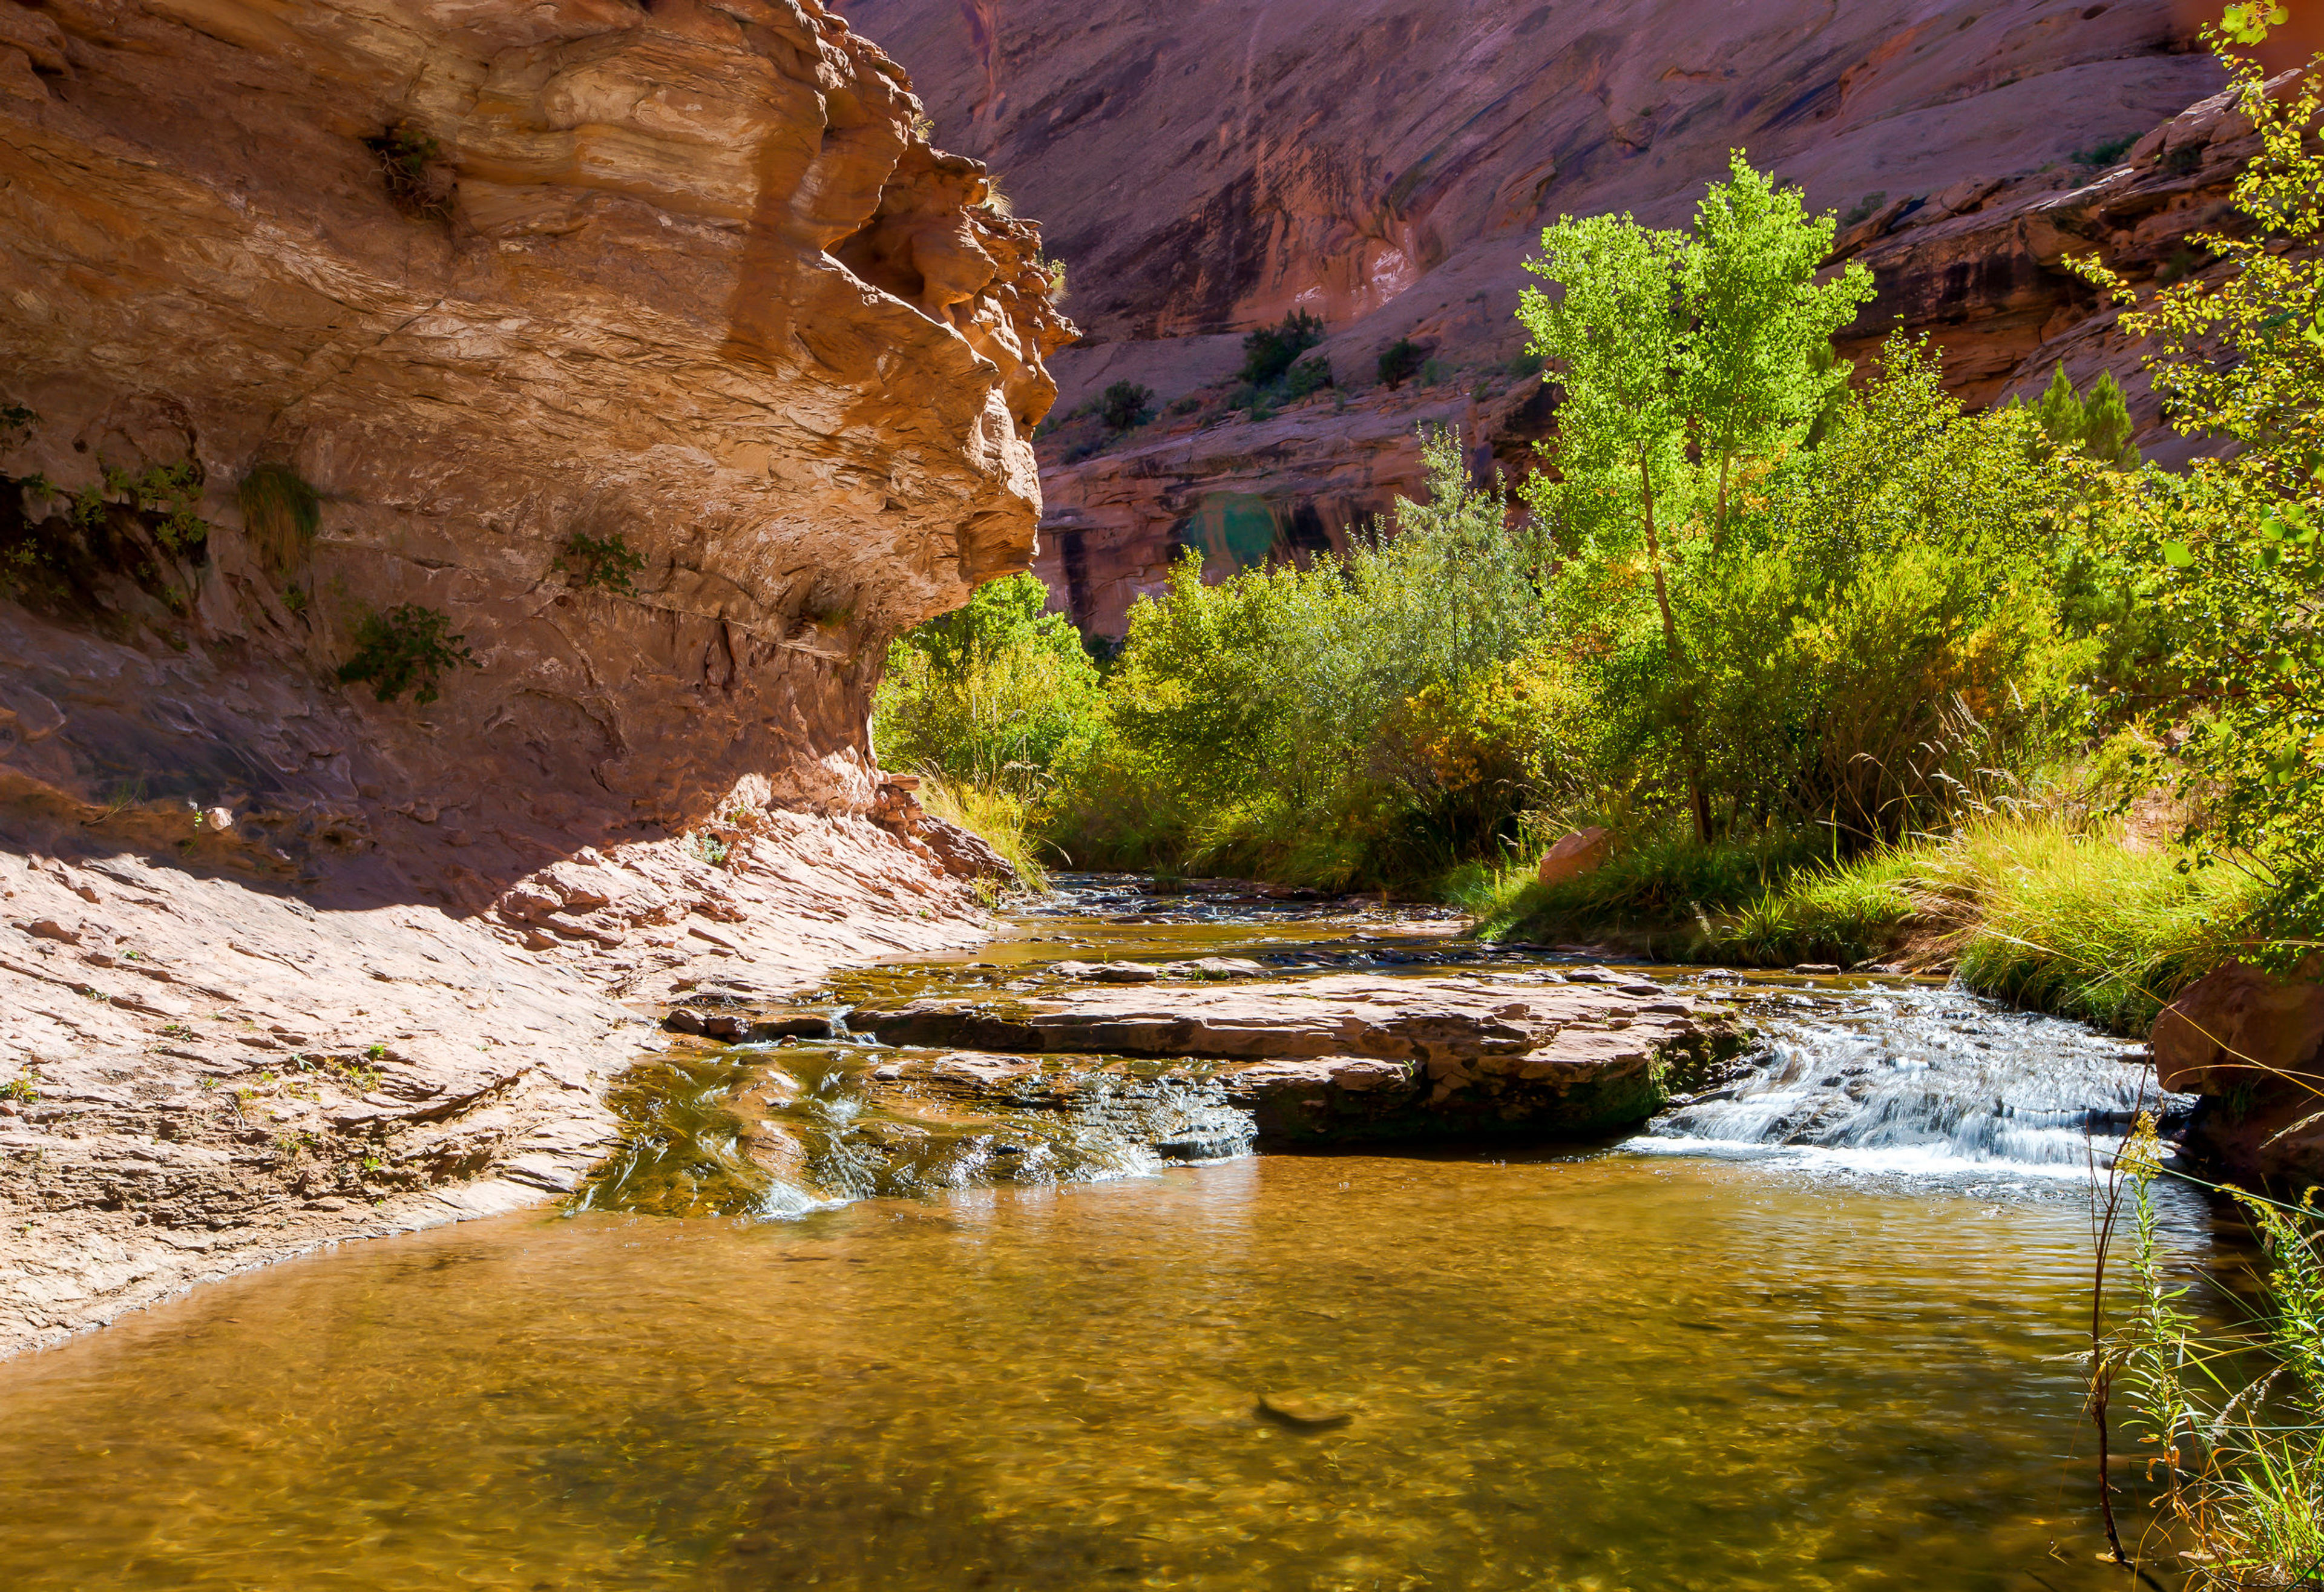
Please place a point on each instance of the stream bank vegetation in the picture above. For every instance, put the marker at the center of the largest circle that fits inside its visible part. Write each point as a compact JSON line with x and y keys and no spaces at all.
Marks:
{"x":1848,"y":671}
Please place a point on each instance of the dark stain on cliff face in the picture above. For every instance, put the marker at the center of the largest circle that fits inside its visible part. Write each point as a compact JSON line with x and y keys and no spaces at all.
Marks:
{"x":1073,"y":557}
{"x":1215,"y":256}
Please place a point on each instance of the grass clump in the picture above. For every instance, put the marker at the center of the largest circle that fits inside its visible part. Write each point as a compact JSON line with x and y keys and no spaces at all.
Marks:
{"x":281,"y":515}
{"x":1004,"y":820}
{"x":2033,"y":909}
{"x":407,"y":648}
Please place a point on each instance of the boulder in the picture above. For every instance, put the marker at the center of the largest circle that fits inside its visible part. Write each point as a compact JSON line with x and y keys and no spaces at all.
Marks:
{"x":2238,"y":1025}
{"x":2252,"y":1045}
{"x":1582,"y":851}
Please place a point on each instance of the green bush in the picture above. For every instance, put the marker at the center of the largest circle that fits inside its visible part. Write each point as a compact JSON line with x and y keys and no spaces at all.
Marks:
{"x":1309,"y":376}
{"x":1376,"y":716}
{"x":1399,"y":362}
{"x":985,"y":696}
{"x":1125,"y":405}
{"x":1269,"y":352}
{"x":407,"y":648}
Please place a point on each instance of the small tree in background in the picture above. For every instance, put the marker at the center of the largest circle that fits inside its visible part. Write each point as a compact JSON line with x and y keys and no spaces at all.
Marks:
{"x":1399,"y":362}
{"x":1125,"y":405}
{"x":1270,"y":351}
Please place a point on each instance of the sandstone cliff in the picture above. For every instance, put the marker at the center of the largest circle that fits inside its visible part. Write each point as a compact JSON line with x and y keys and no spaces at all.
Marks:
{"x":1387,"y":166}
{"x":650,"y":367}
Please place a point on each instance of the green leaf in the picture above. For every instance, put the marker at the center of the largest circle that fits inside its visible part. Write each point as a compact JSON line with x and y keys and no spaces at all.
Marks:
{"x":2176,"y":555}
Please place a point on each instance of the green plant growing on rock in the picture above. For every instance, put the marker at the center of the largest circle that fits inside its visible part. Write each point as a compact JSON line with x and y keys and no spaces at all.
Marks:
{"x":1307,"y":376}
{"x":1863,"y":209}
{"x":1125,"y":405}
{"x":603,"y":564}
{"x":407,"y":648}
{"x":405,"y":151}
{"x":1269,"y":352}
{"x":2105,"y":152}
{"x":1399,"y":362}
{"x":169,"y":491}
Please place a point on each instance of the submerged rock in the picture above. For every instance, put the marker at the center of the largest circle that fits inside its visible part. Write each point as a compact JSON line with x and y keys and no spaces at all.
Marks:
{"x":1303,"y":1411}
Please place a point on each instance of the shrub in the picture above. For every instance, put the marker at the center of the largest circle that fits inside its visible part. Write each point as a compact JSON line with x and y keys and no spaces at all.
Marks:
{"x":2106,"y":153}
{"x":405,"y":153}
{"x":1399,"y":361}
{"x":1125,"y":405}
{"x":985,"y":696}
{"x":1309,"y":376}
{"x":606,"y":563}
{"x":1269,"y":352}
{"x":407,"y":648}
{"x":1863,"y":209}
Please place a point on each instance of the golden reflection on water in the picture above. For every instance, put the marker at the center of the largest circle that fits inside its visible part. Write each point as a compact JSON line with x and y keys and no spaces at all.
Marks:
{"x":1583,"y":1373}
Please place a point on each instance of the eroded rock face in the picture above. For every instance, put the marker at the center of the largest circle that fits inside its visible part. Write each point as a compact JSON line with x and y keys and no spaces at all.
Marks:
{"x":1388,"y":165}
{"x":653,"y":358}
{"x":1354,"y":1059}
{"x":685,"y":277}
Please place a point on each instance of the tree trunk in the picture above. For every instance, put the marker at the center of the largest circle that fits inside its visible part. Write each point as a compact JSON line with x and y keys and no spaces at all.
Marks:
{"x":1686,"y":737}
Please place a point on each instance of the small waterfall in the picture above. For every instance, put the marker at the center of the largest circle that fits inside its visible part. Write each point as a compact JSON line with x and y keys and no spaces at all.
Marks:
{"x":1914,"y":1079}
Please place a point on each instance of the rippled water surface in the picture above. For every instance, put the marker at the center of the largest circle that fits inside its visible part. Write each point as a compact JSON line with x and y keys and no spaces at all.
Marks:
{"x":1592,"y":1369}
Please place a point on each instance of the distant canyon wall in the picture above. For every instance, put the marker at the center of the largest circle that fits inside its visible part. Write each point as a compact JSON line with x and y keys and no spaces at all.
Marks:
{"x":1388,"y":165}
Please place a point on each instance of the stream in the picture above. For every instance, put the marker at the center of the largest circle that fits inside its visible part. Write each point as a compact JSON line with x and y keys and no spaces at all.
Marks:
{"x":1812,"y":1327}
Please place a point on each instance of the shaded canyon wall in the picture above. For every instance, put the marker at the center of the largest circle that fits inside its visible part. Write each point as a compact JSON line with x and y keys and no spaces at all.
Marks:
{"x":316,"y":310}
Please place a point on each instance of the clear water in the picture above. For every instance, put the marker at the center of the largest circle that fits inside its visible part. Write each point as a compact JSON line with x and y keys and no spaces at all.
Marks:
{"x":1599,"y":1369}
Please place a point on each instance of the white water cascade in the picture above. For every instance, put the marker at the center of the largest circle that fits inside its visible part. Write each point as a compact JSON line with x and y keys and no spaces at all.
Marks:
{"x":1913,"y":1079}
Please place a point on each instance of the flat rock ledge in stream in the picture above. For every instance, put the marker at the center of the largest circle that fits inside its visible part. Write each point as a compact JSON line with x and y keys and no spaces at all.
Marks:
{"x":1350,"y":1059}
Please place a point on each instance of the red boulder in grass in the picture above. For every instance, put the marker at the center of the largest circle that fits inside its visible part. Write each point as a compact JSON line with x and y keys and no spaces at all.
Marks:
{"x":1575,"y":855}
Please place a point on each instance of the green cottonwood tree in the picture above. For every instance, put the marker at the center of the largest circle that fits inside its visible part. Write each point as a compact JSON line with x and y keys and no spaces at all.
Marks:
{"x":1755,"y":365}
{"x":1718,"y":343}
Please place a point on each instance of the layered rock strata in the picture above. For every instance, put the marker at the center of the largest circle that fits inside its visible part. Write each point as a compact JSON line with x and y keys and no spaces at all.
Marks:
{"x":1388,"y":166}
{"x":463,"y":465}
{"x":1353,"y":1058}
